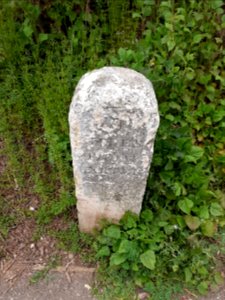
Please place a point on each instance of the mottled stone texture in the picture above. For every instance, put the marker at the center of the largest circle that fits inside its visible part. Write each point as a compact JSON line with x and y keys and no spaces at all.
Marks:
{"x":113,"y":121}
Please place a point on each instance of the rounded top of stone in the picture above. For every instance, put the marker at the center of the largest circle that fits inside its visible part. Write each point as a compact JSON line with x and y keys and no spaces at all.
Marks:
{"x":115,"y":86}
{"x":116,"y":75}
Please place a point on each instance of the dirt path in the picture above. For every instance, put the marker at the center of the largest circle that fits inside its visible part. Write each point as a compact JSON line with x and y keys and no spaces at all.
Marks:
{"x":70,"y":283}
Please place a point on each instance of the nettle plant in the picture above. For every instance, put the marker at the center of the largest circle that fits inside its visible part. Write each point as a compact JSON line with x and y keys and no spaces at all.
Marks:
{"x":182,"y":52}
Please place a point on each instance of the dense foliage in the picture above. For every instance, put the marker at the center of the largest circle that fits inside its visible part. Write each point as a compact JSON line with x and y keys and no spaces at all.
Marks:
{"x":179,"y":45}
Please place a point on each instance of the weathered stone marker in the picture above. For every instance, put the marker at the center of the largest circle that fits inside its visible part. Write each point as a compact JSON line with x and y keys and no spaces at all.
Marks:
{"x":113,"y":122}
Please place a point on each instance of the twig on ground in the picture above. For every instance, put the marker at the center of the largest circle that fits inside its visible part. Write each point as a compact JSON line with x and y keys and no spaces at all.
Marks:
{"x":190,"y":293}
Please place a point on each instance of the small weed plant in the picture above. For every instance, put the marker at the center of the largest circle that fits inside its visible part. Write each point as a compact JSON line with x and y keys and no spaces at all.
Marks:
{"x":45,"y":47}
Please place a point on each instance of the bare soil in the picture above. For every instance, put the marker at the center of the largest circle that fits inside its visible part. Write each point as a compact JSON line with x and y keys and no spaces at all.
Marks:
{"x":25,"y":258}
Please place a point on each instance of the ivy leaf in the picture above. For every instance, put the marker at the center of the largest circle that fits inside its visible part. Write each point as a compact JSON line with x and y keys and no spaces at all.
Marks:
{"x":117,"y":259}
{"x":208,"y":228}
{"x":216,"y":210}
{"x":148,"y":259}
{"x":192,"y":222}
{"x":186,"y":205}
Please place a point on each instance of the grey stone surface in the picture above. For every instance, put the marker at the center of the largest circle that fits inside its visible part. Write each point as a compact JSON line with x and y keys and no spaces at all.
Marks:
{"x":113,"y":122}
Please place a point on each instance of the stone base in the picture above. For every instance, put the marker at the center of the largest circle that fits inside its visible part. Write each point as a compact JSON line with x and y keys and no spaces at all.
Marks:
{"x":92,"y":212}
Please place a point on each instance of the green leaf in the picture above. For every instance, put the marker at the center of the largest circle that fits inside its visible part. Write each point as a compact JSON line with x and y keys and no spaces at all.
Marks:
{"x":43,"y":37}
{"x":147,"y":215}
{"x":186,"y":205}
{"x":170,"y":117}
{"x":190,"y":75}
{"x":216,"y":3}
{"x":218,"y":115}
{"x":129,"y":220}
{"x":177,"y":188}
{"x":195,"y":154}
{"x":203,"y":271}
{"x":188,"y":274}
{"x":117,"y":259}
{"x":104,"y":251}
{"x":218,"y":278}
{"x":216,"y":210}
{"x":171,"y":44}
{"x":197,"y":38}
{"x":28,"y":30}
{"x":203,"y":212}
{"x":209,"y":228}
{"x":122,"y":53}
{"x":125,"y":246}
{"x":180,"y":221}
{"x":203,"y":287}
{"x":112,"y":231}
{"x":192,"y":222}
{"x":148,"y":259}
{"x":136,"y":15}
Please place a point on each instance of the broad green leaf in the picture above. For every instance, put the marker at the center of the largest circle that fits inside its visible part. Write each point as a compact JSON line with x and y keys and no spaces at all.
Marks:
{"x":169,"y":26}
{"x":43,"y":37}
{"x":129,"y":220}
{"x":188,"y":274}
{"x":216,"y":210}
{"x":112,"y":231}
{"x":170,"y":117}
{"x":218,"y":115}
{"x":117,"y":259}
{"x":122,"y":53}
{"x":124,"y":246}
{"x":186,"y":205}
{"x":148,"y":259}
{"x":203,"y":287}
{"x":203,"y":212}
{"x":209,"y":228}
{"x":220,"y":195}
{"x":218,"y":278}
{"x":171,"y":44}
{"x":136,"y":15}
{"x":104,"y":251}
{"x":195,"y":154}
{"x":216,"y":3}
{"x":203,"y":271}
{"x":177,"y":188}
{"x":28,"y":30}
{"x":190,"y":75}
{"x":169,"y":229}
{"x":147,"y":215}
{"x":192,"y":222}
{"x":135,"y":267}
{"x":180,"y":221}
{"x":197,"y":38}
